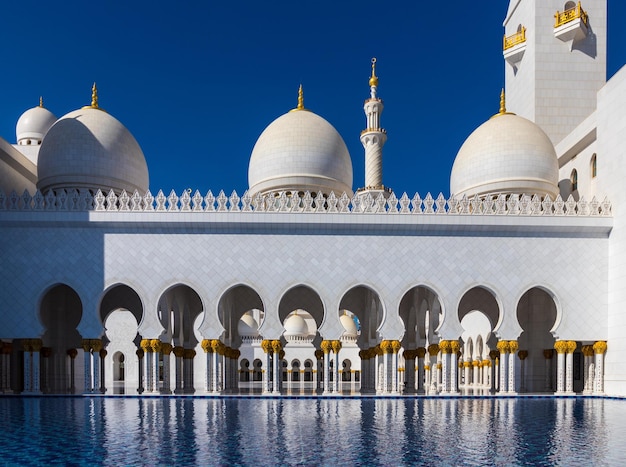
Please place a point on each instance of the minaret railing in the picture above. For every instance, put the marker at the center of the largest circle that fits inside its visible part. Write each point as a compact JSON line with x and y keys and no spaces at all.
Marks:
{"x":564,"y":17}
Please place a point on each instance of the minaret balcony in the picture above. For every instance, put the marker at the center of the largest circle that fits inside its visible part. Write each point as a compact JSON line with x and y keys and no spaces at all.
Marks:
{"x":514,"y":46}
{"x":571,"y":25}
{"x":374,"y":130}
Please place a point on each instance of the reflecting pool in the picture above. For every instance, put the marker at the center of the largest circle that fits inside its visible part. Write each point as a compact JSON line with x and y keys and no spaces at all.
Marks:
{"x":315,"y":431}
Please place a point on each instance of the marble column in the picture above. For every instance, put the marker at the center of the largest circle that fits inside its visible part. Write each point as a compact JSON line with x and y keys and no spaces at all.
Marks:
{"x":454,"y":352}
{"x":522,"y":354}
{"x":503,"y":347}
{"x":156,"y":349}
{"x":395,"y":374}
{"x":72,"y":354}
{"x":266,"y":345}
{"x":466,"y":370}
{"x":561,"y":349}
{"x":433,"y":351}
{"x":141,"y":369}
{"x":277,"y":347}
{"x":409,"y":365}
{"x":88,"y":366}
{"x":587,"y":351}
{"x":599,"y":349}
{"x":513,"y":346}
{"x":421,"y":353}
{"x":336,"y":346}
{"x":493,"y":368}
{"x":444,"y":347}
{"x":208,"y":350}
{"x":326,"y":347}
{"x":548,"y":354}
{"x":569,"y":367}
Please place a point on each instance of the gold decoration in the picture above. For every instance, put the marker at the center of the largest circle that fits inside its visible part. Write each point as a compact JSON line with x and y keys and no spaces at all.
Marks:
{"x":94,"y":99}
{"x":156,"y":345}
{"x":276,"y":346}
{"x":319,"y":354}
{"x":466,"y":364}
{"x":433,"y":349}
{"x":266,"y":345}
{"x":206,"y":346}
{"x":494,"y":354}
{"x":548,"y":353}
{"x":216,"y":345}
{"x":72,"y":353}
{"x":189,"y":354}
{"x":475,"y":363}
{"x":561,"y":347}
{"x":445,"y":347}
{"x":336,"y":346}
{"x":373,"y":79}
{"x":503,"y":347}
{"x":421,"y":352}
{"x":178,"y":351}
{"x":571,"y":346}
{"x":166,"y":348}
{"x":600,"y":347}
{"x":522,"y":354}
{"x":395,"y":346}
{"x":439,"y":366}
{"x":86,"y":345}
{"x":427,"y":367}
{"x":41,"y":101}
{"x":145,"y":345}
{"x":300,"y":100}
{"x":567,"y":16}
{"x":385,"y":346}
{"x":454,"y":346}
{"x":513,"y":346}
{"x":511,"y":41}
{"x":103,"y":353}
{"x":139,"y":353}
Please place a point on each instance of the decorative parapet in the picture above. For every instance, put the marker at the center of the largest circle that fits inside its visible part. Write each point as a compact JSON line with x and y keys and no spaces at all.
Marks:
{"x":501,"y":205}
{"x":511,"y":41}
{"x":567,"y":16}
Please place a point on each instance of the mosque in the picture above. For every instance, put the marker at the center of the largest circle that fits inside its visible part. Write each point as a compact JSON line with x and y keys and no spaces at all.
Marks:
{"x":515,"y":283}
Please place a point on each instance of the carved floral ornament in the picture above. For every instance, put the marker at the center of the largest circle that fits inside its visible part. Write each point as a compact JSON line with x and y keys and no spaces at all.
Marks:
{"x":513,"y":205}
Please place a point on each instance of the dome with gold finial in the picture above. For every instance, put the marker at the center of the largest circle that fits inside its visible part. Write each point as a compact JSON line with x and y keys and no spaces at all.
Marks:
{"x":300,"y":151}
{"x":88,"y":148}
{"x":33,"y":125}
{"x":507,"y":154}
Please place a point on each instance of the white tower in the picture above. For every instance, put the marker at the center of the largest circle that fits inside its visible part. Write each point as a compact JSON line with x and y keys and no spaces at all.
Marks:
{"x":373,"y":139}
{"x":556,"y":61}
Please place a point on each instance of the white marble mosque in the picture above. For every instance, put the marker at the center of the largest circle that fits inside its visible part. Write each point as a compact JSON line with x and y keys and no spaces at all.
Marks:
{"x":515,"y":283}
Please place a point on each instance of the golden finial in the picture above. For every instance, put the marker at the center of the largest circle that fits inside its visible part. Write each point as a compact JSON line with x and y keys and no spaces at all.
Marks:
{"x":94,"y":96}
{"x":502,"y":106}
{"x":40,"y":101}
{"x":300,"y":100}
{"x":374,"y":78}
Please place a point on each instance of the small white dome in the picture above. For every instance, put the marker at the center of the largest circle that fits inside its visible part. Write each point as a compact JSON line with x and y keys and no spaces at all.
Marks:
{"x":300,"y":151}
{"x":88,"y":148}
{"x":507,"y":154}
{"x":33,"y":125}
{"x":247,"y":326}
{"x":349,"y":325}
{"x":295,"y":325}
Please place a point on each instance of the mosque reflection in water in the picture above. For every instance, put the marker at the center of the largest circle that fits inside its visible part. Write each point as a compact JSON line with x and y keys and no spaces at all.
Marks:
{"x":322,"y":431}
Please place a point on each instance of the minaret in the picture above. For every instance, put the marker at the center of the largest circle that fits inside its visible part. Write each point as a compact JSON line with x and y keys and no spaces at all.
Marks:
{"x":373,"y":139}
{"x":555,"y":52}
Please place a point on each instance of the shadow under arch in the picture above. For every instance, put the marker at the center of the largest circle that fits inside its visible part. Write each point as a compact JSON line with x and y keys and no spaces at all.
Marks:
{"x":232,"y":305}
{"x":178,"y":308}
{"x":121,"y":296}
{"x":422,"y":313}
{"x":537,"y":314}
{"x":60,"y":312}
{"x":303,"y":297}
{"x":365,"y":303}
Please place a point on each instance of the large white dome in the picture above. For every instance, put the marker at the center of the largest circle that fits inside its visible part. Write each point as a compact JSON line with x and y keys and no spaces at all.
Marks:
{"x":88,"y":148}
{"x":247,"y":326}
{"x":300,"y":151}
{"x":507,"y":154}
{"x":295,"y":325}
{"x":33,"y":125}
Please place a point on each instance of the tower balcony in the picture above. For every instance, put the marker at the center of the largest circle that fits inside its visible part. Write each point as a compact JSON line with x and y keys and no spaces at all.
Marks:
{"x":514,"y":46}
{"x":571,"y":25}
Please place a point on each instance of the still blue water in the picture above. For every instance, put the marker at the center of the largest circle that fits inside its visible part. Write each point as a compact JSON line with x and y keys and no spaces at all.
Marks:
{"x":367,"y":431}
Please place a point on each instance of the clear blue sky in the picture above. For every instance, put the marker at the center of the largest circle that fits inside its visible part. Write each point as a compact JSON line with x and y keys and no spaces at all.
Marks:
{"x":197,"y":82}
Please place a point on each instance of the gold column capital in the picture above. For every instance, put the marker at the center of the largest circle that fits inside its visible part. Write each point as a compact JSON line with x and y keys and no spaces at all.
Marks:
{"x":421,"y":352}
{"x":513,"y":346}
{"x":395,"y":346}
{"x":600,"y":347}
{"x":336,"y":345}
{"x":445,"y":347}
{"x":433,"y":349}
{"x":503,"y":346}
{"x":522,"y":354}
